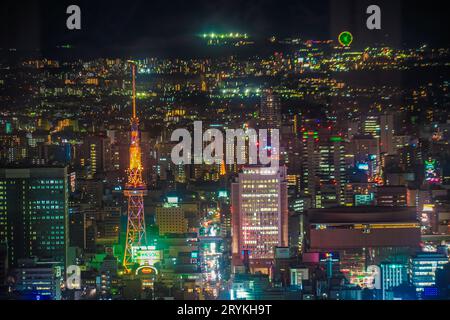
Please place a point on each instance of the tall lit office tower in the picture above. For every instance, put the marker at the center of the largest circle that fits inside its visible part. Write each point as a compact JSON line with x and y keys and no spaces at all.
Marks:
{"x":270,"y":113}
{"x":323,"y":172}
{"x":392,"y":275}
{"x":366,"y":154}
{"x":96,"y":152}
{"x":34,"y":213}
{"x":387,"y":133}
{"x":364,"y":147}
{"x":423,"y":268}
{"x":372,"y":126}
{"x":38,"y":280}
{"x":170,"y":218}
{"x":259,"y":216}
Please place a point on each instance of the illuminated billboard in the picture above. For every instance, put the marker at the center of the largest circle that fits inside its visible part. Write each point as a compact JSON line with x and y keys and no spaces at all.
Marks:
{"x":146,"y":271}
{"x":145,"y":255}
{"x":363,"y":166}
{"x":223,"y":194}
{"x":172,"y":200}
{"x":329,"y":256}
{"x":431,"y":171}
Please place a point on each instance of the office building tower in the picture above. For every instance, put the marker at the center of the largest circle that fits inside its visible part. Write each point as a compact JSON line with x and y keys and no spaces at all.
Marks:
{"x":170,"y":218}
{"x":77,"y":227}
{"x":423,"y":270}
{"x":38,"y":280}
{"x":387,"y":133}
{"x":392,"y":275}
{"x":259,"y":208}
{"x":324,"y":170}
{"x":270,"y":114}
{"x":363,"y":147}
{"x":34,"y":213}
{"x":391,"y":196}
{"x":371,"y":126}
{"x":96,"y":154}
{"x":366,"y":155}
{"x":108,"y":225}
{"x":91,"y":191}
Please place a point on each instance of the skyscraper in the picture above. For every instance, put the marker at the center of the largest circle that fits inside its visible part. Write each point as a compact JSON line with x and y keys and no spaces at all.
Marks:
{"x":170,"y":218}
{"x":96,"y":152}
{"x":38,"y":280}
{"x":423,"y":269}
{"x":371,"y":126}
{"x":259,"y":215}
{"x":392,"y":275}
{"x":270,"y":114}
{"x":34,"y":213}
{"x":323,"y":173}
{"x":387,"y":133}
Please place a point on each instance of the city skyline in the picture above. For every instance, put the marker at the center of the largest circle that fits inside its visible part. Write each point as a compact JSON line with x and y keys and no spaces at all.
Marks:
{"x":128,"y":152}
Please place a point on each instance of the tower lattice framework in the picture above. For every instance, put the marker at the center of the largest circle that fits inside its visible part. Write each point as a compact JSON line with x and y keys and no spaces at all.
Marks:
{"x":135,"y":190}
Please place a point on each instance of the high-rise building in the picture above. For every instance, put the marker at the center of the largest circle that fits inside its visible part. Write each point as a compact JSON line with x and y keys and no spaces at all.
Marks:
{"x":34,"y":213}
{"x":108,"y":225}
{"x":387,"y":133}
{"x":364,"y":146}
{"x":372,"y":126}
{"x":270,"y":114}
{"x":170,"y":218}
{"x":77,"y":227}
{"x":91,"y":228}
{"x":96,"y":152}
{"x":324,"y":170}
{"x":392,"y":275}
{"x":91,"y":191}
{"x":259,"y":208}
{"x":423,"y":270}
{"x":38,"y":280}
{"x":392,"y":196}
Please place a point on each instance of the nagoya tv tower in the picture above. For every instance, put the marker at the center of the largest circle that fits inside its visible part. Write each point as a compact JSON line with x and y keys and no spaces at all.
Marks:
{"x":135,"y":189}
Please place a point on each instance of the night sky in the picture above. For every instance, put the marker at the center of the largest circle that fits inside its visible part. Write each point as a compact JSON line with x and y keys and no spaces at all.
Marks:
{"x":157,"y":26}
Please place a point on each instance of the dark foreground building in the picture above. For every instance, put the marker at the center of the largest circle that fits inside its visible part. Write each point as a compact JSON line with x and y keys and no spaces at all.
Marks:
{"x":34,"y":213}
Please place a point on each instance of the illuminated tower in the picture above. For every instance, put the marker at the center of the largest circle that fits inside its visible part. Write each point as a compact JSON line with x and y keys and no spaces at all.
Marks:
{"x":135,"y":190}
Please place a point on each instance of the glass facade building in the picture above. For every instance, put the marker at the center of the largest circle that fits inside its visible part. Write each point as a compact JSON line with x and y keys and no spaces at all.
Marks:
{"x":34,"y":213}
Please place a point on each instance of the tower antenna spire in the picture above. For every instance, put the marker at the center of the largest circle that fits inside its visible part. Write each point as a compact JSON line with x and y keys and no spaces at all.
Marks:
{"x":133,"y":70}
{"x":135,"y":189}
{"x":133,"y":66}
